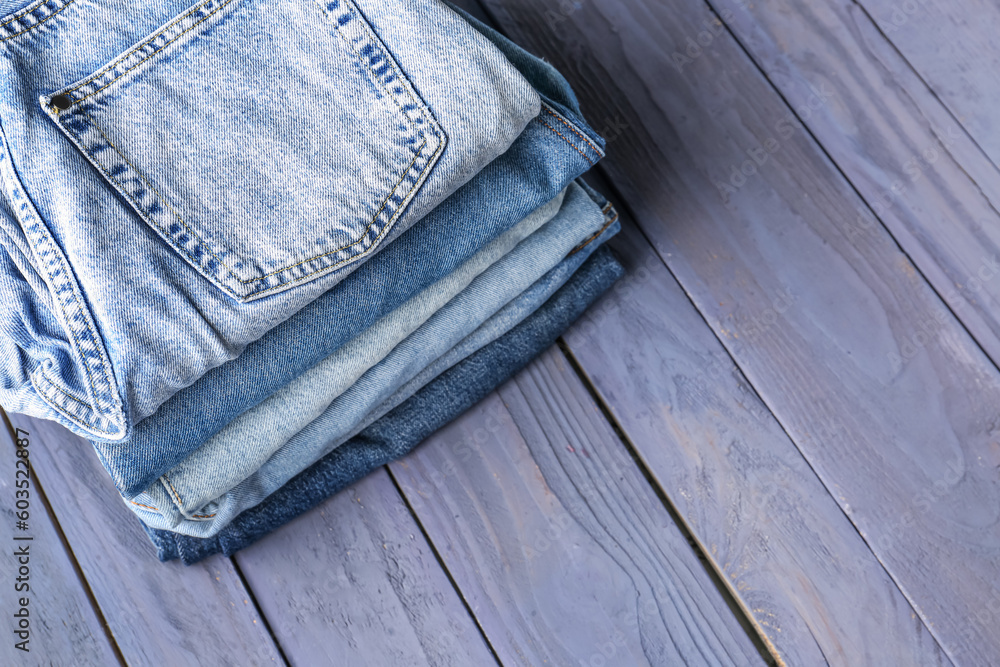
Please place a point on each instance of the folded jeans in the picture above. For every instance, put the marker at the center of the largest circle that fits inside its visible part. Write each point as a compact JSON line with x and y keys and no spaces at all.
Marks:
{"x":169,"y":176}
{"x":400,"y":430}
{"x":267,"y":446}
{"x":552,"y":150}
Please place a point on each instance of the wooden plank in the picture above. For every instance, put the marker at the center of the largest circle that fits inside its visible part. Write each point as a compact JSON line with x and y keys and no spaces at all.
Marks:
{"x":814,"y":318}
{"x":63,"y":626}
{"x":910,"y":159}
{"x":354,"y":582}
{"x":159,"y":613}
{"x":748,"y":496}
{"x":564,"y":560}
{"x":953,"y":47}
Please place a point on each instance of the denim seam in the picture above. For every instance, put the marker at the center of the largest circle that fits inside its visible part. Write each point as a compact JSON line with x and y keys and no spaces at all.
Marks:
{"x":65,"y":292}
{"x":180,"y":503}
{"x":31,"y":25}
{"x":84,"y":420}
{"x":149,"y":507}
{"x":21,"y":13}
{"x":199,"y":516}
{"x":144,"y":43}
{"x":572,"y":129}
{"x":62,"y":391}
{"x":18,"y":249}
{"x":596,"y":234}
{"x":419,"y":111}
{"x":585,"y":157}
{"x":205,"y":243}
{"x":54,"y":385}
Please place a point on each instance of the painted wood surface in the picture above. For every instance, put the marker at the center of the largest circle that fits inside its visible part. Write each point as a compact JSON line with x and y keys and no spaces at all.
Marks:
{"x":835,"y":455}
{"x":562,"y":550}
{"x":817,"y":320}
{"x":748,"y":496}
{"x":953,"y":47}
{"x":63,"y":627}
{"x":354,"y":582}
{"x":159,"y":613}
{"x":907,"y":156}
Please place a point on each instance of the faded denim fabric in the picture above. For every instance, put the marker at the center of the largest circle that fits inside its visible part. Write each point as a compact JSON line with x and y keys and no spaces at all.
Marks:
{"x":553,"y":149}
{"x":399,"y":431}
{"x":179,"y":178}
{"x":267,"y":446}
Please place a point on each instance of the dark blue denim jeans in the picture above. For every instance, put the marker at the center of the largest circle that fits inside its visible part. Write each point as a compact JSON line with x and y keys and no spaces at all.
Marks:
{"x":399,"y":431}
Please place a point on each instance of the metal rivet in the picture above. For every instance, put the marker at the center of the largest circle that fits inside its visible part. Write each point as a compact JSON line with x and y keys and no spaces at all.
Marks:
{"x":61,"y":102}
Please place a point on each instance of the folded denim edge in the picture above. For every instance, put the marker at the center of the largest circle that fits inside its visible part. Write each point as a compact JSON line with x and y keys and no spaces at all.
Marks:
{"x":551,"y":86}
{"x":102,"y":412}
{"x":174,"y":409}
{"x":194,"y":522}
{"x":407,"y":425}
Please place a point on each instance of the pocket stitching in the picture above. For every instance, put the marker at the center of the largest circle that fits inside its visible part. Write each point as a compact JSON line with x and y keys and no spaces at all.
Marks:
{"x":149,"y":56}
{"x":419,"y":129}
{"x":205,"y":243}
{"x":31,"y":27}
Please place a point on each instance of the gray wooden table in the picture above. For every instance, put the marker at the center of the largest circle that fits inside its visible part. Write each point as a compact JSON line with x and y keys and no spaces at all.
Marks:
{"x":776,"y":441}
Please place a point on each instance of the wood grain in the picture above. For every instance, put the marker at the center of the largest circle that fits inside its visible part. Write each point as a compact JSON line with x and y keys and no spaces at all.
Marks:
{"x":817,"y":320}
{"x":159,"y":613}
{"x":354,"y":582}
{"x":64,"y":628}
{"x":907,"y":156}
{"x":560,"y":547}
{"x":751,"y":500}
{"x":953,"y":47}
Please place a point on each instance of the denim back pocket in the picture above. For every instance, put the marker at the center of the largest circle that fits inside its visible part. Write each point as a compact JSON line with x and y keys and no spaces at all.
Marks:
{"x":270,"y":142}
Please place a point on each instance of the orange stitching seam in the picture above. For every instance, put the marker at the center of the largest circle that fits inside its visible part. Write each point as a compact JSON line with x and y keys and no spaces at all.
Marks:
{"x":146,"y":506}
{"x":577,"y":148}
{"x":136,"y":48}
{"x":33,"y":26}
{"x":593,"y":236}
{"x":148,"y":57}
{"x":21,"y":13}
{"x":197,"y":516}
{"x":180,"y":503}
{"x":571,"y":128}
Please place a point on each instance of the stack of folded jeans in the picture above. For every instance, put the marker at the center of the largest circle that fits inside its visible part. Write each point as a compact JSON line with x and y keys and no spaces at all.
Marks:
{"x":254,"y":250}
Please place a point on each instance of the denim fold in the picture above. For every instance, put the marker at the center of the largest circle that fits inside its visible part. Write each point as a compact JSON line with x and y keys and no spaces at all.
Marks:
{"x":400,"y":430}
{"x":554,"y":149}
{"x":181,"y":177}
{"x":261,"y":451}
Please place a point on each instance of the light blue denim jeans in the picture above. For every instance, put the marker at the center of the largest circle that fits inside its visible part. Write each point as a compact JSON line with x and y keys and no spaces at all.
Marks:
{"x":179,"y":178}
{"x":400,"y":430}
{"x":553,"y":149}
{"x":270,"y":444}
